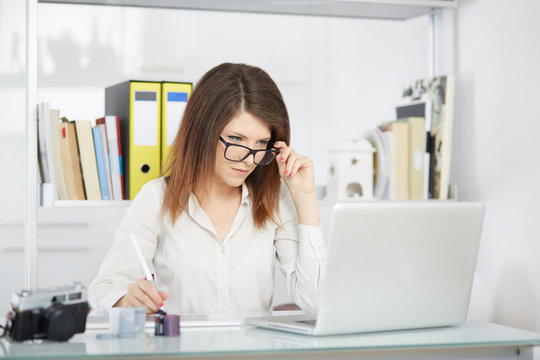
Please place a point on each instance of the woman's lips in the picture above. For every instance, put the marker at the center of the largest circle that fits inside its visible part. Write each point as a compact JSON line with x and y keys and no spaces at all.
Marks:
{"x":240,"y":171}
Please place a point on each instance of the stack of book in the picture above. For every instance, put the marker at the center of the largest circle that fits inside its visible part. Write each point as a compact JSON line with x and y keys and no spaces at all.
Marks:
{"x":79,"y":160}
{"x":112,"y":157}
{"x":412,"y":160}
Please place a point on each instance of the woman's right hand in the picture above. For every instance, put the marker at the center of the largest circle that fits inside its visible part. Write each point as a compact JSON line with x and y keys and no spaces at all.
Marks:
{"x":143,"y":293}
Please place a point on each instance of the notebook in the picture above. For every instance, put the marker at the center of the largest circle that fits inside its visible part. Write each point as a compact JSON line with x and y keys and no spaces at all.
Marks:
{"x":101,"y":322}
{"x":393,"y":266}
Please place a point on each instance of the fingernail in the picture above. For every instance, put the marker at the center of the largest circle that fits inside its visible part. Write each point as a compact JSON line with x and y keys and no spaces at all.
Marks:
{"x":291,"y":174}
{"x":282,"y":159}
{"x":161,"y":304}
{"x":286,"y":172}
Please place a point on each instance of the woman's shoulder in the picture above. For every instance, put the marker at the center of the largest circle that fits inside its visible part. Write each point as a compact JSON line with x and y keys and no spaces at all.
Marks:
{"x":153,"y":189}
{"x":158,"y":184}
{"x":146,"y":206}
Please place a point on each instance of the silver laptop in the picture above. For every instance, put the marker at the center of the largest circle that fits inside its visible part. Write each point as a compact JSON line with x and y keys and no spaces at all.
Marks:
{"x":393,"y":266}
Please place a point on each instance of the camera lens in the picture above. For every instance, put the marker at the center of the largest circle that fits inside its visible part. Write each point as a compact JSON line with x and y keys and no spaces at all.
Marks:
{"x":59,"y":322}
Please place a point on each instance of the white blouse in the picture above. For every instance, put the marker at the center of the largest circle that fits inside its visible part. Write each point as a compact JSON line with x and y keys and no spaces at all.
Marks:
{"x":200,"y":273}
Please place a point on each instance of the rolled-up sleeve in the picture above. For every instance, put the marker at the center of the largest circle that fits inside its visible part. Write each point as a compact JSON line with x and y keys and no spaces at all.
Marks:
{"x":301,"y":255}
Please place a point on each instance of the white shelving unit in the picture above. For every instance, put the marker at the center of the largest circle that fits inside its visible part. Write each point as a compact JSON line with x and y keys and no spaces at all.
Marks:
{"x":374,"y":9}
{"x":91,"y":203}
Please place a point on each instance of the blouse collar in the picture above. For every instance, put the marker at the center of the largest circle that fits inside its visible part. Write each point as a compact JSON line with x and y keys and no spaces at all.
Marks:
{"x":193,"y":202}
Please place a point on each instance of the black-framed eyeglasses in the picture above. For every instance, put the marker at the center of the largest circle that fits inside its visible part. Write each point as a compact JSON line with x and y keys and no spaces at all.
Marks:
{"x":237,"y":153}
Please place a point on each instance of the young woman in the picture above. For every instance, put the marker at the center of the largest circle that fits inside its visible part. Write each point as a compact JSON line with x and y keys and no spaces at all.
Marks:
{"x":235,"y":201}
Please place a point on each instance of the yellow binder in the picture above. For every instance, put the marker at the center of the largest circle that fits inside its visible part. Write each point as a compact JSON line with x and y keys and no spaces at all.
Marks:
{"x":138,"y":106}
{"x":173,"y":102}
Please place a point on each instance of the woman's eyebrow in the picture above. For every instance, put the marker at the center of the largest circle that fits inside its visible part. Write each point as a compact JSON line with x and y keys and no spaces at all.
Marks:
{"x":234,"y":133}
{"x":240,"y":135}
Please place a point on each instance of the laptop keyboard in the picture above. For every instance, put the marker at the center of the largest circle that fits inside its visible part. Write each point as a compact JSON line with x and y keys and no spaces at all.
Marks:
{"x":309,"y":322}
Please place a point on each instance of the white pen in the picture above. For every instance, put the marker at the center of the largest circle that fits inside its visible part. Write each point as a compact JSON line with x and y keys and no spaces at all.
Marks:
{"x":146,"y":270}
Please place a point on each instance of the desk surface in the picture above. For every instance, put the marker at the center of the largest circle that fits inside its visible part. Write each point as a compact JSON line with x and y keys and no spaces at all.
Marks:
{"x":249,"y":341}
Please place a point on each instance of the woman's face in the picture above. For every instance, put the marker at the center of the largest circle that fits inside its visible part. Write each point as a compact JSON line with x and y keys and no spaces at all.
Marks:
{"x":243,"y":129}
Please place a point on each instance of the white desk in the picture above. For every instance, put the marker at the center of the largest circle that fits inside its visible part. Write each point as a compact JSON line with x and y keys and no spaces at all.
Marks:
{"x":474,"y":339}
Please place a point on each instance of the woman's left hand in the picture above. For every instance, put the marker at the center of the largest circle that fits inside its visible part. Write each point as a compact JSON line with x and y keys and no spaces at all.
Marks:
{"x":295,"y":169}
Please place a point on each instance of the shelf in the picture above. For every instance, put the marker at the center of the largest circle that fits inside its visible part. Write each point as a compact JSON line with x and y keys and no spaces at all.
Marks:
{"x":374,"y":9}
{"x":332,"y":202}
{"x":90,"y":203}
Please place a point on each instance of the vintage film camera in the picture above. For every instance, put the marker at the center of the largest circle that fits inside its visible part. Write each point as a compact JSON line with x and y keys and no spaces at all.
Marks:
{"x":56,"y":313}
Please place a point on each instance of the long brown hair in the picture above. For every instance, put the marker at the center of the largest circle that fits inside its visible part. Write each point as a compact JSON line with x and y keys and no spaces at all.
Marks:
{"x":220,"y":94}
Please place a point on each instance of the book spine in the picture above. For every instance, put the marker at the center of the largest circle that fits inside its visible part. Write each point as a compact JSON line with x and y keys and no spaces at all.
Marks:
{"x":61,"y":186}
{"x":103,"y":130}
{"x":112,"y":139}
{"x":43,"y":158}
{"x":120,"y":159}
{"x":75,"y":162}
{"x":101,"y":164}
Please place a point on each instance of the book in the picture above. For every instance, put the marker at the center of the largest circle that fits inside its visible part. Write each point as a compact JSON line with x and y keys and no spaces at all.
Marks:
{"x":101,"y":162}
{"x":103,"y":130}
{"x":48,"y":191}
{"x":417,"y":155}
{"x":43,"y":148}
{"x":111,"y":123}
{"x":46,"y":157}
{"x":421,"y":108}
{"x":399,"y":179}
{"x":61,"y":187}
{"x":88,"y":159}
{"x":440,"y":91}
{"x":387,"y":137}
{"x":70,"y":161}
{"x":381,"y":162}
{"x":120,"y":157}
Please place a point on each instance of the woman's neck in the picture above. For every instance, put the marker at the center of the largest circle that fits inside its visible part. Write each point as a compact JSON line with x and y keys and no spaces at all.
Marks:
{"x":217,"y":192}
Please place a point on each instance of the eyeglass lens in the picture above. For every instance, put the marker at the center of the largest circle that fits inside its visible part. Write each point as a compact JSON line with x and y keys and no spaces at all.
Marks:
{"x":238,"y":153}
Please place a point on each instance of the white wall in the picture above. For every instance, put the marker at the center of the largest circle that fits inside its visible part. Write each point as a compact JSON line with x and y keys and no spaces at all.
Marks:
{"x":496,"y":150}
